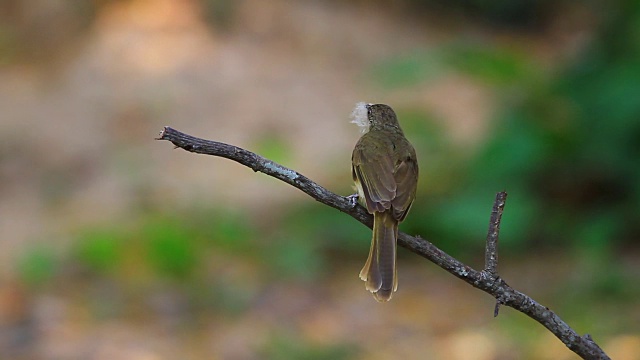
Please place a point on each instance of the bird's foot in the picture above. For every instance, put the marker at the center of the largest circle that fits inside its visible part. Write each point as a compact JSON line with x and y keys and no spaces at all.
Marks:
{"x":353,"y":199}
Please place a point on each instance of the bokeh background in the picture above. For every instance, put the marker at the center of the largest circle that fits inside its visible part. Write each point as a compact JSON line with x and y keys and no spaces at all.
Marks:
{"x":116,"y":246}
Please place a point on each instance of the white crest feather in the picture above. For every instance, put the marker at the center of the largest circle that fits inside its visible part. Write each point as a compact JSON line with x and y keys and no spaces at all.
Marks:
{"x":359,"y":116}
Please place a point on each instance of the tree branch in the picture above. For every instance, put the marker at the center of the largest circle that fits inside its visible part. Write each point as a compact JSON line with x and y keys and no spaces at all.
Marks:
{"x":491,"y":251}
{"x":486,"y":280}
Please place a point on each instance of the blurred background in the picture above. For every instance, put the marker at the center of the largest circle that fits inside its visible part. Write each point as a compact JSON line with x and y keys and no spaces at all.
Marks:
{"x":116,"y":246}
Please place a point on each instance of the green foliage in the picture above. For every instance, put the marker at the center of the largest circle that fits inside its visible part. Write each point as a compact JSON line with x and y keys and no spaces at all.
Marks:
{"x":178,"y":246}
{"x":228,"y":230}
{"x":294,"y":257}
{"x":573,"y":146}
{"x":163,"y":245}
{"x":288,"y":347}
{"x":171,"y":250}
{"x":38,"y":265}
{"x":325,"y":228}
{"x":565,"y":145}
{"x":307,"y":234}
{"x":493,"y":65}
{"x":425,"y":134}
{"x":274,"y":147}
{"x":100,"y":250}
{"x":407,"y":70}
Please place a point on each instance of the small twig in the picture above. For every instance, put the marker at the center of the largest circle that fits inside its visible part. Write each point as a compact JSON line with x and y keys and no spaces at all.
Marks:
{"x":496,"y":309}
{"x":486,"y":281}
{"x":491,"y":252}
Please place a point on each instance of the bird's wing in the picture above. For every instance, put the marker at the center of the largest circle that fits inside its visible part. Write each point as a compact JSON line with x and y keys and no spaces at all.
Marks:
{"x":406,"y":178}
{"x":375,"y":172}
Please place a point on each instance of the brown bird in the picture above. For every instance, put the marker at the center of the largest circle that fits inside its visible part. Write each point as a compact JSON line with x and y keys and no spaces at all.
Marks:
{"x":385,"y":172}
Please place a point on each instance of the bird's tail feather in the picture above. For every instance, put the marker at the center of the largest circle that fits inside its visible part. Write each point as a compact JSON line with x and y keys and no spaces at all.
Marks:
{"x":379,"y":272}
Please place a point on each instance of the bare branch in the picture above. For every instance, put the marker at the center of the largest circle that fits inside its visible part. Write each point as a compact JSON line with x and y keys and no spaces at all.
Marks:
{"x":491,"y":253}
{"x":486,"y":280}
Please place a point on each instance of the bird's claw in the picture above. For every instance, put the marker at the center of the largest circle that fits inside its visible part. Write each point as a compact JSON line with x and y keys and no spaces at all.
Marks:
{"x":353,"y":199}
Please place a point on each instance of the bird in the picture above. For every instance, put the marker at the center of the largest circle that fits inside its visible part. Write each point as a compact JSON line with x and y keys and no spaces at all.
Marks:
{"x":385,"y":172}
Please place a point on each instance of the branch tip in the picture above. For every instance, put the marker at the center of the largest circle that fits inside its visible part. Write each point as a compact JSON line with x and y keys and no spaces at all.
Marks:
{"x":161,"y":135}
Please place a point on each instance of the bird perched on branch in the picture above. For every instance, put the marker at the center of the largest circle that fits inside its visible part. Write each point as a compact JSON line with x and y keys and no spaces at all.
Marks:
{"x":385,"y":172}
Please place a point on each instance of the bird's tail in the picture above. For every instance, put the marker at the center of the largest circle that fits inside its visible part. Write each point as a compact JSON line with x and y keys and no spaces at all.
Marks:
{"x":379,"y":272}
